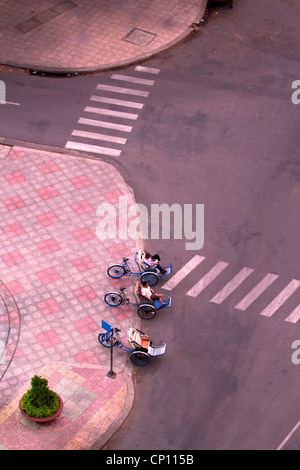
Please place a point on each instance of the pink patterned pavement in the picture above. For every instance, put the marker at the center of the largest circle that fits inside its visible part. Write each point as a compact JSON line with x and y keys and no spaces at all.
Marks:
{"x":54,"y":269}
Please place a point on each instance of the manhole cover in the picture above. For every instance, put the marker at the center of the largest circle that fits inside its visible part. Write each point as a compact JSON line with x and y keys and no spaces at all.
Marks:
{"x":139,"y":37}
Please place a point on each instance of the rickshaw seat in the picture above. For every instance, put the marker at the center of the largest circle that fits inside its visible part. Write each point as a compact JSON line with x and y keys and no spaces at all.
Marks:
{"x":137,"y":288}
{"x":139,"y":338}
{"x":145,"y":341}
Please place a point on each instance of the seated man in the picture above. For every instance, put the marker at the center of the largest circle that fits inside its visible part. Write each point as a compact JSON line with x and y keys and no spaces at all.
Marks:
{"x":149,"y":293}
{"x":153,"y":261}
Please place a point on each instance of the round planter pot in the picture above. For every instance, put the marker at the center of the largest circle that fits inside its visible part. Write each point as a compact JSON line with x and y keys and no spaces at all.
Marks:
{"x":42,"y":420}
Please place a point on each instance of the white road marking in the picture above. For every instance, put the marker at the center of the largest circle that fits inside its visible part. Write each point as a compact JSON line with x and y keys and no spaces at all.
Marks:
{"x":107,"y":125}
{"x":109,"y":112}
{"x":256,"y":291}
{"x":129,"y":104}
{"x":288,"y":436}
{"x":93,"y":148}
{"x":231,"y":285}
{"x":126,"y":78}
{"x":294,"y":316}
{"x":183,"y":272}
{"x":86,"y":134}
{"x":96,"y":136}
{"x":140,"y":68}
{"x":127,"y":91}
{"x":207,"y":279}
{"x":10,"y":102}
{"x":281,"y":298}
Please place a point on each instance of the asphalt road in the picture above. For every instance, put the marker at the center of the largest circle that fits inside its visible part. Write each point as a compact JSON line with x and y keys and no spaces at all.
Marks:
{"x":219,"y":129}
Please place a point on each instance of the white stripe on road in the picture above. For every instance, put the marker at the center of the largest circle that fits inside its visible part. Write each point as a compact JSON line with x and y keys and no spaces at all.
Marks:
{"x":294,"y":316}
{"x":126,"y":91}
{"x":183,"y":272}
{"x":288,"y":436}
{"x":281,"y":298}
{"x":140,"y":68}
{"x":207,"y":279}
{"x":96,"y":136}
{"x":92,"y":148}
{"x":109,"y":112}
{"x":126,"y":78}
{"x":256,"y":291}
{"x":129,"y":104}
{"x":107,"y":125}
{"x":231,"y":285}
{"x":10,"y":102}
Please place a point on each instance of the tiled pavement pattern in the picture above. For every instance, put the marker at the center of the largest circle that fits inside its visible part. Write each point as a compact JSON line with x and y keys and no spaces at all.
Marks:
{"x":93,"y":34}
{"x":55,"y":268}
{"x":92,"y":401}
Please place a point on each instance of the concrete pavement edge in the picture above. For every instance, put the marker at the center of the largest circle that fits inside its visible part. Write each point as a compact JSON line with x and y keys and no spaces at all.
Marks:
{"x":114,"y":65}
{"x":117,"y":423}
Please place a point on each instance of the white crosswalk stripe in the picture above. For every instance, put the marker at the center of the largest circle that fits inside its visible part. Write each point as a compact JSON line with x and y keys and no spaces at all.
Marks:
{"x":256,"y":291}
{"x":113,"y":116}
{"x":105,"y":124}
{"x":96,"y":136}
{"x":140,"y":68}
{"x":233,"y":285}
{"x":109,"y":112}
{"x":126,"y":78}
{"x":92,"y":148}
{"x":128,"y":104}
{"x":126,"y":91}
{"x":281,"y":298}
{"x":207,"y":279}
{"x":294,"y":316}
{"x":183,"y":272}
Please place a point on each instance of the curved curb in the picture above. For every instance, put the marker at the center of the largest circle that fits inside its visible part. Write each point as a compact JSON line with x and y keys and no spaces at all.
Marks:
{"x":14,"y":324}
{"x":113,"y":428}
{"x":114,"y":65}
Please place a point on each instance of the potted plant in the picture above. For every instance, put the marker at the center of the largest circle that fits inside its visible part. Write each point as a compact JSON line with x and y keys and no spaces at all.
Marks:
{"x":40,"y":404}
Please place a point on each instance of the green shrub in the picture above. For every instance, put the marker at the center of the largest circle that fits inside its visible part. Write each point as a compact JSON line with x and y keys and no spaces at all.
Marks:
{"x":39,"y":401}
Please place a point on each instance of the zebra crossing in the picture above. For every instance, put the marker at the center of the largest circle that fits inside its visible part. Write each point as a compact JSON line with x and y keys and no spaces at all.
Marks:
{"x":105,"y":124}
{"x":234,"y":284}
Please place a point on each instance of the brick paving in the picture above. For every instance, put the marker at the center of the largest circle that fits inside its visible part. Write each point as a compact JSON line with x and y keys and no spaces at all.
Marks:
{"x":88,"y":35}
{"x":53,"y":278}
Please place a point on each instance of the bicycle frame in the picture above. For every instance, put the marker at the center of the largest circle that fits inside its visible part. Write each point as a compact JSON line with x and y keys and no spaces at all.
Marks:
{"x":129,"y":272}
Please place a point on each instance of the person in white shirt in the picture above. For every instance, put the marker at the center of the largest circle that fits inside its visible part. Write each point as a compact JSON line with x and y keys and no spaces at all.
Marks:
{"x":153,"y":261}
{"x":149,"y":293}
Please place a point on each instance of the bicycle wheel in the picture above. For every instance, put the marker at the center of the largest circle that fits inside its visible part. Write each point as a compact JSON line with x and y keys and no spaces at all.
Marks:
{"x":113,"y":299}
{"x":146,"y":312}
{"x":150,"y":277}
{"x":116,"y":271}
{"x":140,"y":358}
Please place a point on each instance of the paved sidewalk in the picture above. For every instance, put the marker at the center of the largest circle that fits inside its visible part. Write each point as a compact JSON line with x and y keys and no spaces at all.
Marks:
{"x":68,"y":36}
{"x":53,"y":277}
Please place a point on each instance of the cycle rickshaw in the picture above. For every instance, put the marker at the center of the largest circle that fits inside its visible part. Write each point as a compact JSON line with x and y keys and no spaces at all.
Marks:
{"x":151,"y":275}
{"x":140,"y":347}
{"x":146,"y":309}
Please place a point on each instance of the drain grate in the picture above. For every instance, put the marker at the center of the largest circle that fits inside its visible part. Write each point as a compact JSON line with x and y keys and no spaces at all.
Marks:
{"x":139,"y":37}
{"x":45,"y":15}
